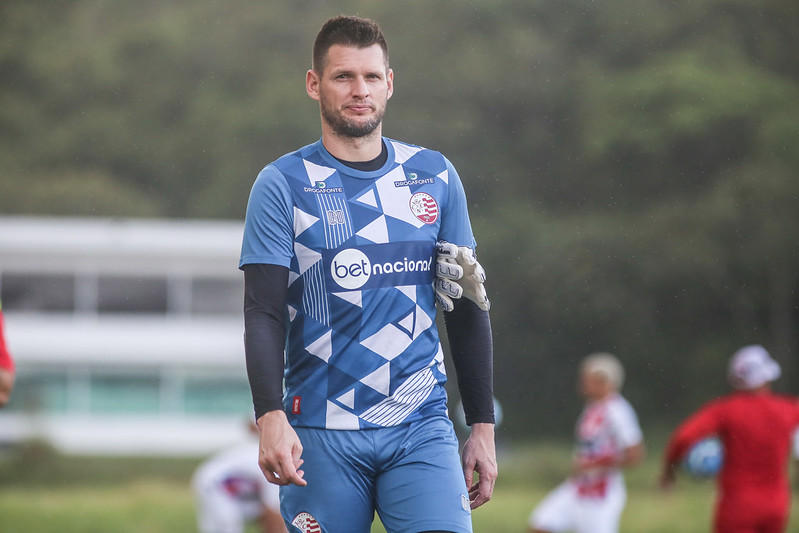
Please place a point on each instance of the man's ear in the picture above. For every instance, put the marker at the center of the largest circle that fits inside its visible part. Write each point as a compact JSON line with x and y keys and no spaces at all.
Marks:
{"x":390,"y":82}
{"x":312,"y":84}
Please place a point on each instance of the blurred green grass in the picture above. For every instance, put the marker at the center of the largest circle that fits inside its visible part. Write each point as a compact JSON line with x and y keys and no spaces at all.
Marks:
{"x":42,"y":491}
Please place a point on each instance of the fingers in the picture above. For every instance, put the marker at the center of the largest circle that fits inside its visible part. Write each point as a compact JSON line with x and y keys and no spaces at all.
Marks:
{"x":481,"y":491}
{"x":448,"y":270}
{"x":284,"y":472}
{"x":444,"y":301}
{"x":477,"y":294}
{"x":459,"y":263}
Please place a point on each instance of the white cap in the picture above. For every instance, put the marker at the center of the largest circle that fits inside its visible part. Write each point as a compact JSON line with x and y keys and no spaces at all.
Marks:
{"x":606,"y":364}
{"x":752,"y":367}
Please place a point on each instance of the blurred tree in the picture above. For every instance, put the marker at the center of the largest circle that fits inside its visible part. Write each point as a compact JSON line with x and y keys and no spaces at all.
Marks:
{"x":631,"y":166}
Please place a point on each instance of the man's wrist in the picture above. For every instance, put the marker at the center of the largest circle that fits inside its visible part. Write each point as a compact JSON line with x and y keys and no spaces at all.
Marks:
{"x":269,"y":416}
{"x":482,"y":429}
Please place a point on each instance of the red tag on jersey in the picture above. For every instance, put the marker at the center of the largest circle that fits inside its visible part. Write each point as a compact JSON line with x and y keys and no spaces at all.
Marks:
{"x":295,"y":406}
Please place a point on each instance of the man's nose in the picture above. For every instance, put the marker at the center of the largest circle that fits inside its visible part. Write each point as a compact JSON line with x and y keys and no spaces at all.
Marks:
{"x":360,"y":88}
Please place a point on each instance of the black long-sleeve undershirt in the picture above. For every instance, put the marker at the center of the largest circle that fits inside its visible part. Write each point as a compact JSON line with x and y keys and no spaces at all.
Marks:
{"x":472,"y":351}
{"x":265,"y":291}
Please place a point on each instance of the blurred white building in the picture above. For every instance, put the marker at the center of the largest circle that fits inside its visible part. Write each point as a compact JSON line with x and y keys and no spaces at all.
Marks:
{"x":127,"y":334}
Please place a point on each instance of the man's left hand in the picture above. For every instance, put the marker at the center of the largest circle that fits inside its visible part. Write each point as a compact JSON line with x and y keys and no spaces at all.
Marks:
{"x":459,"y":274}
{"x":480,"y":457}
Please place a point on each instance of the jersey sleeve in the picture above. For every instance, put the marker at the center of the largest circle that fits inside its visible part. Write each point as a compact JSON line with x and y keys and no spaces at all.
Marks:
{"x":626,"y":426}
{"x":455,"y":224}
{"x":269,"y":223}
{"x":703,"y":423}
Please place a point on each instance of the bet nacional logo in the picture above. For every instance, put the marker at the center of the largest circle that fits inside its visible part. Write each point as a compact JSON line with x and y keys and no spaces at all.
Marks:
{"x":351,"y":268}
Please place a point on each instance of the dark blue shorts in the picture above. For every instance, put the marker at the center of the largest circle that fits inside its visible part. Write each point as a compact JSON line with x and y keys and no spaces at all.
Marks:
{"x":410,"y":474}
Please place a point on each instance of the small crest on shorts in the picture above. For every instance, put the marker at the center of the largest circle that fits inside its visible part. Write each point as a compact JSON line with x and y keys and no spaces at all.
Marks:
{"x":306,"y":523}
{"x":465,"y":503}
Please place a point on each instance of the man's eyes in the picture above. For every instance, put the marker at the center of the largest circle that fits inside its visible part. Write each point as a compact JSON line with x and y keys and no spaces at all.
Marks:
{"x":375,"y":77}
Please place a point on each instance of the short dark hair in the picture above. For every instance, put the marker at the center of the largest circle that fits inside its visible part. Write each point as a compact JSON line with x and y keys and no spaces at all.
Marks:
{"x":348,"y":31}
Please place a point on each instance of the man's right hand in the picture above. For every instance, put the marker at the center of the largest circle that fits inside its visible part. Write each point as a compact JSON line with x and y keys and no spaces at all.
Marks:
{"x":280,"y":450}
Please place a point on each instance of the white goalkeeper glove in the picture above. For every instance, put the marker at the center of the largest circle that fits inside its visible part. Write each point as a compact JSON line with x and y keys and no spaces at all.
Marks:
{"x":458,"y":274}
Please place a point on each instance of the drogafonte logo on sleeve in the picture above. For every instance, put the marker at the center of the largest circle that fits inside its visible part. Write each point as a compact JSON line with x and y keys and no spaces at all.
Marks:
{"x":378,"y":265}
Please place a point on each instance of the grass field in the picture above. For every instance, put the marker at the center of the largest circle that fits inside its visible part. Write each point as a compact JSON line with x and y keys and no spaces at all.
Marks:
{"x":43,"y":492}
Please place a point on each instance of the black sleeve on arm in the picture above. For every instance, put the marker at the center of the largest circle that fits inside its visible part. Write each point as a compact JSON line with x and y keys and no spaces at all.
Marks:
{"x":469,"y":333}
{"x":265,"y":291}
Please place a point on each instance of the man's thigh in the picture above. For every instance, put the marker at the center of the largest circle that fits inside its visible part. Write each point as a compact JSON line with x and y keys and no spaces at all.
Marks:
{"x":339,"y":495}
{"x":421,"y":486}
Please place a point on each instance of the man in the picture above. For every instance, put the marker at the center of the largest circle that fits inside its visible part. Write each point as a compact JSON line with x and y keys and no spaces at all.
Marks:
{"x":7,"y":367}
{"x":608,"y":439}
{"x":755,"y":427}
{"x":230,"y":491}
{"x":339,"y":255}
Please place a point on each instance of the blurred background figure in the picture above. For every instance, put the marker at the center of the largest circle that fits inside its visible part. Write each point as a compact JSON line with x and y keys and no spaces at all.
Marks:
{"x":7,"y":371}
{"x":609,"y":438}
{"x":231,"y":491}
{"x":756,"y":428}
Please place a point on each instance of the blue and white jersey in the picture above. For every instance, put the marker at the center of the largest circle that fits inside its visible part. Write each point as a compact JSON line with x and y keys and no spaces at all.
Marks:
{"x":362,"y":347}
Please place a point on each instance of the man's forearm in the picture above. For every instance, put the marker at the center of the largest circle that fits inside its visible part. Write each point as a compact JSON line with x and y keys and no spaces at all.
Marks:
{"x":469,"y":333}
{"x":265,"y":333}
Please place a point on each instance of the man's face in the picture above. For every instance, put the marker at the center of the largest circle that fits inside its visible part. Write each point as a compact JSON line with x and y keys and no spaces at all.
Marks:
{"x":593,"y":385}
{"x":352,"y":90}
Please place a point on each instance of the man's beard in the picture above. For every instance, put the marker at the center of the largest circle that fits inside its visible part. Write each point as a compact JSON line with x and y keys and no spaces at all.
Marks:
{"x":350,"y":128}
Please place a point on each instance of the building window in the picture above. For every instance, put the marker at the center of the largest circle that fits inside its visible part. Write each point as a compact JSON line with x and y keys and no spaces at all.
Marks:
{"x":122,"y":294}
{"x":37,"y":292}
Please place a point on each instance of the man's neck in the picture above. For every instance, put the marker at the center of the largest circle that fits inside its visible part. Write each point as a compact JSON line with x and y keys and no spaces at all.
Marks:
{"x":363,"y":148}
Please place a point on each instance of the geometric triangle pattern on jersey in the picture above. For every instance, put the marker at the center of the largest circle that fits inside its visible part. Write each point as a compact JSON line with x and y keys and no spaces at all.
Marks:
{"x":407,"y":323}
{"x":368,"y":198}
{"x":408,"y":396}
{"x":395,"y":337}
{"x":317,"y":173}
{"x":388,"y":342}
{"x":348,"y":398}
{"x":379,"y":380}
{"x":376,"y":231}
{"x":396,"y":200}
{"x":403,"y":152}
{"x":439,"y":360}
{"x":306,"y":258}
{"x":303,"y":221}
{"x":353,"y":297}
{"x":322,"y":347}
{"x":339,"y":418}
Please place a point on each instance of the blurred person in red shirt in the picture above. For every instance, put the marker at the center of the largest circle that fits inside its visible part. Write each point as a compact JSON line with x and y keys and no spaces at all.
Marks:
{"x":756,"y":427}
{"x":7,"y":369}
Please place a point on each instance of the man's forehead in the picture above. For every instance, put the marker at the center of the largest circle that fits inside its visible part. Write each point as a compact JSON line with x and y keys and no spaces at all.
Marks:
{"x":343,"y":57}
